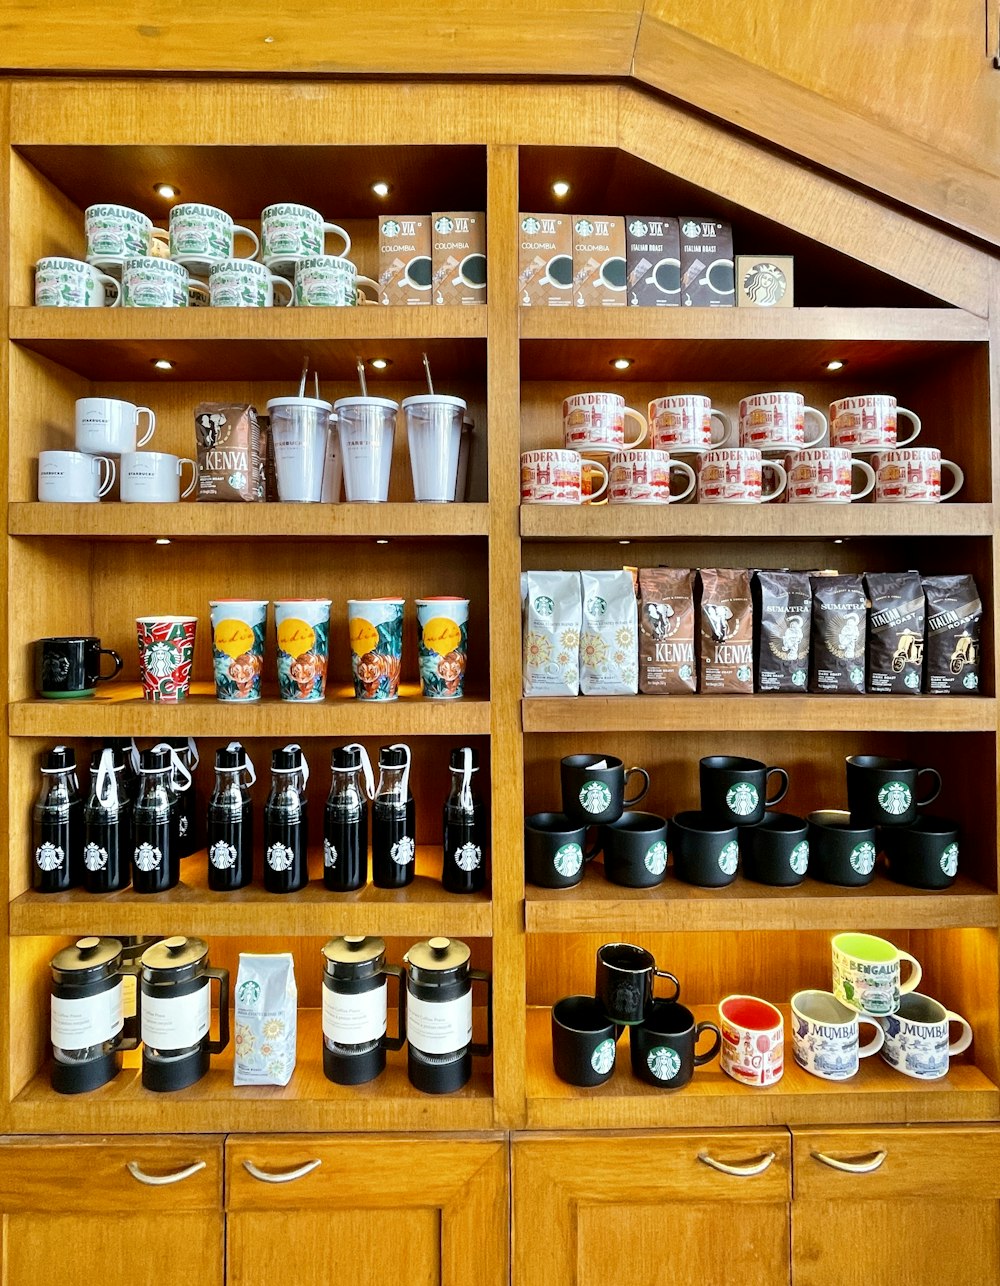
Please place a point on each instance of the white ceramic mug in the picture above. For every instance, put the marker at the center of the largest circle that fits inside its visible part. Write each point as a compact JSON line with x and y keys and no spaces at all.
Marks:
{"x":116,"y":232}
{"x":155,"y":477}
{"x":596,"y":422}
{"x":203,"y":234}
{"x":148,"y":282}
{"x":71,"y":283}
{"x":869,"y":422}
{"x":917,"y":1037}
{"x":71,"y":477}
{"x":643,"y":478}
{"x":434,"y":435}
{"x":330,"y":281}
{"x":734,"y":475}
{"x":824,"y":475}
{"x":245,"y":283}
{"x":683,"y":422}
{"x":913,"y":474}
{"x":826,"y":1037}
{"x":291,"y":232}
{"x":106,"y":426}
{"x":773,"y":420}
{"x":367,"y":427}
{"x":753,"y":1040}
{"x":553,"y":477}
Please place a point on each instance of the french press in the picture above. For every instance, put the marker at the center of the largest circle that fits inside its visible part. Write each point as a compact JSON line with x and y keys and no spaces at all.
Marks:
{"x":439,"y":1015}
{"x":355,"y":1008}
{"x":176,"y":1011}
{"x":87,"y":1014}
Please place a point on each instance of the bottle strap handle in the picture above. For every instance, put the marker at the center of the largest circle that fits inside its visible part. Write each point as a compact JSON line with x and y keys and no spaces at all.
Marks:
{"x":106,"y":786}
{"x":180,"y":778}
{"x":465,"y":795}
{"x":404,"y":785}
{"x":193,"y":752}
{"x":366,"y":765}
{"x":251,"y":771}
{"x":294,"y":745}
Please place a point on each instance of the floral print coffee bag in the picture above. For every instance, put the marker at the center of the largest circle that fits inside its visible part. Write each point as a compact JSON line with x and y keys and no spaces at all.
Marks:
{"x":609,"y":639}
{"x":266,"y":1010}
{"x":551,"y":640}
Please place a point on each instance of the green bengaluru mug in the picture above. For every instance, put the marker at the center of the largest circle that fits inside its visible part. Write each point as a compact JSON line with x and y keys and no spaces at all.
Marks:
{"x":866,"y":973}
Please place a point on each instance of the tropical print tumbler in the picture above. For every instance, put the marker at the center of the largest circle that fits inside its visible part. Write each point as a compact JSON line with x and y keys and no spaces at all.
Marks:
{"x":303,"y":629}
{"x":238,"y":631}
{"x":376,"y":632}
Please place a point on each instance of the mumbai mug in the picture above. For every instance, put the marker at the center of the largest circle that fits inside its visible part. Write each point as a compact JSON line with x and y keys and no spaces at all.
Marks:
{"x":684,"y":422}
{"x":204,"y":234}
{"x":70,"y":666}
{"x":166,"y":655}
{"x":71,"y":477}
{"x":706,"y":853}
{"x":555,"y":477}
{"x":107,"y":426}
{"x":117,"y":232}
{"x":155,"y":477}
{"x":366,"y":427}
{"x":593,"y":788}
{"x":774,"y":420}
{"x":776,"y":851}
{"x":882,"y":791}
{"x":555,"y":849}
{"x":924,"y":855}
{"x":753,"y":1040}
{"x":825,"y":475}
{"x":841,"y":850}
{"x":625,"y":978}
{"x":826,"y":1038}
{"x":635,"y":850}
{"x":913,"y":475}
{"x":330,"y":281}
{"x":290,"y":232}
{"x":584,"y":1041}
{"x":869,"y":422}
{"x":918,"y":1037}
{"x":245,"y":283}
{"x":663,"y":1047}
{"x":71,"y":283}
{"x":866,"y":973}
{"x":734,"y":789}
{"x":596,"y":422}
{"x":734,"y":476}
{"x":643,"y":478}
{"x":148,"y":282}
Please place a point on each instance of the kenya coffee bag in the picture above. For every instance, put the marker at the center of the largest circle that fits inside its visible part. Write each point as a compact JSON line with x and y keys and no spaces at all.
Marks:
{"x":229,"y":455}
{"x":782,"y":604}
{"x":895,"y":632}
{"x":551,"y":633}
{"x":837,"y":659}
{"x":666,"y":630}
{"x":954,"y":616}
{"x":726,"y":660}
{"x":609,"y":639}
{"x":265,"y":1015}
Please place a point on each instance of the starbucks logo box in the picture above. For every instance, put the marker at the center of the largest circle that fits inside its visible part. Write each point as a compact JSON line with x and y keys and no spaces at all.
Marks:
{"x":599,"y":268}
{"x":545,"y":260}
{"x":652,"y":257}
{"x":404,"y":258}
{"x":764,"y":281}
{"x":707,"y":270}
{"x":458,"y":257}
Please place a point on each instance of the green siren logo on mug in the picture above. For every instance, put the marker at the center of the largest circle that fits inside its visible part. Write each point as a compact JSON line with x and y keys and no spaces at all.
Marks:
{"x":895,"y":797}
{"x":799,"y":858}
{"x":603,"y":1058}
{"x":568,"y":859}
{"x":655,"y":860}
{"x":595,"y":796}
{"x":742,"y":798}
{"x":729,"y":858}
{"x":949,"y":860}
{"x":663,"y":1062}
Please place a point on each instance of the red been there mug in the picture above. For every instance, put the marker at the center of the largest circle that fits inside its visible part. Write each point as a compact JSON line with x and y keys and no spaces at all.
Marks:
{"x":824,"y":475}
{"x":734,"y":475}
{"x":683,"y":422}
{"x":770,"y":420}
{"x":596,"y":422}
{"x":166,"y":654}
{"x":753,"y":1040}
{"x":643,"y":478}
{"x":553,"y":477}
{"x":913,"y":474}
{"x":869,"y":422}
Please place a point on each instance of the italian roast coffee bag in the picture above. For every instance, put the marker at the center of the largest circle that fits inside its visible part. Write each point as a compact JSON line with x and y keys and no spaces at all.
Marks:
{"x":726,"y":660}
{"x":839,"y":626}
{"x":954,"y":616}
{"x":782,"y":605}
{"x":666,"y":631}
{"x":895,"y":632}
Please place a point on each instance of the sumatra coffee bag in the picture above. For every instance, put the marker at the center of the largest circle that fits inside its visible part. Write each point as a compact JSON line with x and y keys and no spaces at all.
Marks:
{"x":838,"y":634}
{"x":782,"y":605}
{"x":551,"y":633}
{"x":666,"y":630}
{"x":895,"y":632}
{"x":954,"y":615}
{"x":609,"y":640}
{"x":265,"y":1014}
{"x":229,"y":454}
{"x":726,"y":660}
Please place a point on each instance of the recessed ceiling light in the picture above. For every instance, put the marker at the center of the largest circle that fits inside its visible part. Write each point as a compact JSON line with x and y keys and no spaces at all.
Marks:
{"x":381,"y":542}
{"x":379,"y":363}
{"x":624,"y":542}
{"x":167,"y":191}
{"x":622,"y":363}
{"x":162,"y":364}
{"x":381,"y":188}
{"x":838,"y":540}
{"x":560,"y":188}
{"x":836,"y":365}
{"x":162,"y":540}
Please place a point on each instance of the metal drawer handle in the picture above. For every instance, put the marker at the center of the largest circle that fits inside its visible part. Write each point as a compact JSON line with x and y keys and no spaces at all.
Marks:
{"x":864,"y":1165}
{"x":741,"y":1171}
{"x":289,"y":1176}
{"x":160,"y":1180}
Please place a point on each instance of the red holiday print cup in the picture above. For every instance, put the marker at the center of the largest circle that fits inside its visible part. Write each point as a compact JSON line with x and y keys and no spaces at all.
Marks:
{"x":643,"y":478}
{"x":824,"y":475}
{"x":773,"y":420}
{"x":596,"y":422}
{"x":913,"y":474}
{"x":553,"y":477}
{"x":753,"y":1040}
{"x":869,"y":422}
{"x":734,"y":475}
{"x":683,"y":422}
{"x":166,"y":654}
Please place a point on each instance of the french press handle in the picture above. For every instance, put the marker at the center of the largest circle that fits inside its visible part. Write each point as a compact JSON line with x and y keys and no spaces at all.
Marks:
{"x":484,"y":1050}
{"x":397,"y":1042}
{"x":217,"y":1046}
{"x":133,"y":1042}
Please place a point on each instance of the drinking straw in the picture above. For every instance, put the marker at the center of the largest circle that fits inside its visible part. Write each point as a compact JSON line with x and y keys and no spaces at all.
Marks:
{"x":305,"y":372}
{"x":361,"y":378}
{"x":427,"y":368}
{"x":316,"y":384}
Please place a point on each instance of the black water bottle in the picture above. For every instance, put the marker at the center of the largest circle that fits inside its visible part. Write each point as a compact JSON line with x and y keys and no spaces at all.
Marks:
{"x":345,"y":821}
{"x":286,"y":823}
{"x":156,"y":862}
{"x":107,"y":826}
{"x":57,"y":825}
{"x":465,"y":828}
{"x":230,"y":821}
{"x":394,"y":842}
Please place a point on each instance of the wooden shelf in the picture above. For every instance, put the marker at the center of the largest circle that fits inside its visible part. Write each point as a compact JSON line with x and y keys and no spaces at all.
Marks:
{"x":124,"y":712}
{"x":876,"y":1093}
{"x":308,"y":1102}
{"x":251,"y":343}
{"x":759,"y":712}
{"x":597,"y":906}
{"x":424,"y":908}
{"x":762,"y":522}
{"x":113,"y":521}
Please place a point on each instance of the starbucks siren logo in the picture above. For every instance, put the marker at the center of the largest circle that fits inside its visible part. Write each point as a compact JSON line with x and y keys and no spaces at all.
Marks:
{"x":691,"y":229}
{"x":912,"y":680}
{"x":544,"y":606}
{"x":949,"y":860}
{"x":248,"y":993}
{"x":329,"y":854}
{"x":656,"y":858}
{"x":663,"y":1062}
{"x":895,"y":797}
{"x":638,"y":228}
{"x":799,"y":678}
{"x":147,"y":858}
{"x":603,"y":1058}
{"x":857,"y":676}
{"x":596,"y":606}
{"x":391,"y":228}
{"x":94,"y":857}
{"x":595,"y":796}
{"x":469,"y":857}
{"x":402,"y":852}
{"x":444,"y":224}
{"x":742,"y":798}
{"x":530,"y":225}
{"x":798,"y":859}
{"x":863,"y":858}
{"x":584,"y":228}
{"x":280,"y":857}
{"x":49,"y":856}
{"x":222,"y":855}
{"x":568,"y":859}
{"x":971,"y":681}
{"x":743,"y":673}
{"x":729,"y":858}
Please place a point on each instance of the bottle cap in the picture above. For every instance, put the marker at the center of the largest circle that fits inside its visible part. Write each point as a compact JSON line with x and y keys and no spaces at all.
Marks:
{"x":457,"y":761}
{"x":60,"y":759}
{"x":288,"y":759}
{"x":231,"y":757}
{"x":392,"y":757}
{"x":155,"y":760}
{"x":347,"y":757}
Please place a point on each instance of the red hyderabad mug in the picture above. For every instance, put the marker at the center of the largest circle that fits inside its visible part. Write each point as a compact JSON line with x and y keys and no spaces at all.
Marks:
{"x":552,"y":477}
{"x":596,"y":422}
{"x":825,"y":475}
{"x":734,"y":475}
{"x":643,"y":478}
{"x":913,"y":474}
{"x":683,"y":422}
{"x":773,"y":420}
{"x":869,"y":422}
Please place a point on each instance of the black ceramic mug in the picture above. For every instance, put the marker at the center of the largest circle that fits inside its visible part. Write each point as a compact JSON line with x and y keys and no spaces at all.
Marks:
{"x":70,"y":666}
{"x":635,"y":850}
{"x":777,"y":851}
{"x":625,"y":978}
{"x":591,"y":794}
{"x":734,"y":789}
{"x":924,"y":855}
{"x":840,"y":852}
{"x":554,"y":851}
{"x":583,"y":1041}
{"x":705,"y":853}
{"x":883,"y":792}
{"x":662,"y":1046}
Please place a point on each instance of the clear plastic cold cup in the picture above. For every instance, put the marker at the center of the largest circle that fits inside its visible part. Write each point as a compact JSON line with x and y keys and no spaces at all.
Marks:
{"x":366,"y":426}
{"x":300,"y":430}
{"x":434,"y":434}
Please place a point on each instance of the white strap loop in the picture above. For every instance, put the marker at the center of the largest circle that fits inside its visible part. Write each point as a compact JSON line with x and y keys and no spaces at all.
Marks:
{"x":366,"y":765}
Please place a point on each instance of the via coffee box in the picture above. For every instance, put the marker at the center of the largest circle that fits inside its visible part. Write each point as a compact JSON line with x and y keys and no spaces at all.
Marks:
{"x":652,"y":255}
{"x":458,"y":257}
{"x":707,"y":273}
{"x":545,"y":260}
{"x":404,"y":258}
{"x":599,"y":269}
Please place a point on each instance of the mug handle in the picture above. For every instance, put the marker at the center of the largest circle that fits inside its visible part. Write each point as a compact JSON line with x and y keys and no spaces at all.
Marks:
{"x":956,"y":473}
{"x":217,"y":1046}
{"x":240,"y":231}
{"x":683,"y":467}
{"x":398,"y":1041}
{"x":642,"y":793}
{"x":869,"y":475}
{"x":335,"y":227}
{"x":876,"y":1042}
{"x":107,"y":651}
{"x":285,"y":284}
{"x":596,"y":464}
{"x":485,"y":1048}
{"x":783,"y":791}
{"x":701,"y":1059}
{"x":199,"y":288}
{"x":361,"y":282}
{"x":662,"y":973}
{"x":915,"y":421}
{"x":110,"y":472}
{"x":823,"y":431}
{"x":922,"y":803}
{"x":727,"y":427}
{"x":644,"y":428}
{"x":590,"y":854}
{"x":195,"y":474}
{"x":965,"y":1040}
{"x":916,"y":973}
{"x":779,"y":469}
{"x":140,"y":410}
{"x":105,"y":280}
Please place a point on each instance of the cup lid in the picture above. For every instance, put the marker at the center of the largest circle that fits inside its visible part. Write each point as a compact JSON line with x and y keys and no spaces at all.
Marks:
{"x":433,"y":399}
{"x":300,"y":401}
{"x":385,"y":402}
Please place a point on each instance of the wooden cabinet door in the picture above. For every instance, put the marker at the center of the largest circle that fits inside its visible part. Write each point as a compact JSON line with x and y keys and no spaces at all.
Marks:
{"x":135,"y":1211}
{"x":387,"y":1211}
{"x":914,"y":1204}
{"x":644,"y":1209}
